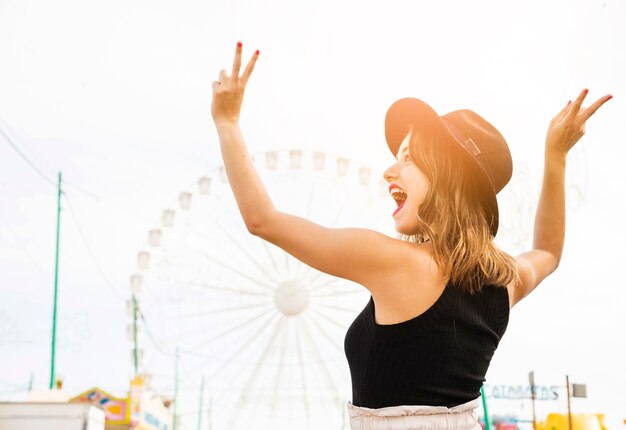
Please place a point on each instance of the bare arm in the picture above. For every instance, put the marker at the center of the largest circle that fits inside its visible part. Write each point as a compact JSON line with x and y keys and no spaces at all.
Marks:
{"x":228,"y":92}
{"x":549,"y":235}
{"x":363,"y":256}
{"x":252,"y":198}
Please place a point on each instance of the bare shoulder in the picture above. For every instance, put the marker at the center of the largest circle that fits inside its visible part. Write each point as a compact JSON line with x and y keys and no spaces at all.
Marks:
{"x":411,"y":289}
{"x":406,"y":264}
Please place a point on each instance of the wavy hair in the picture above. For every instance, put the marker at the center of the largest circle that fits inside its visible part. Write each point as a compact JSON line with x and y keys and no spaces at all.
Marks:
{"x":454,"y":219}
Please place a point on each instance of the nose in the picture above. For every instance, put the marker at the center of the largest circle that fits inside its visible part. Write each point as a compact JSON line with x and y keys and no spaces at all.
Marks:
{"x":391,"y":173}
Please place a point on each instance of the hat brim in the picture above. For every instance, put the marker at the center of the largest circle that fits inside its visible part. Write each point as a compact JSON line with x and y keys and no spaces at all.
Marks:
{"x":411,"y":113}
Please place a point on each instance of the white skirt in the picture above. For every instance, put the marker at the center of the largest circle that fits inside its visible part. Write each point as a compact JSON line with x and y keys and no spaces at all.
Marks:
{"x":461,"y":417}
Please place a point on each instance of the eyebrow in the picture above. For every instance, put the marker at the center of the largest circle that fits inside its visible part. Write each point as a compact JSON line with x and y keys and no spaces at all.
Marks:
{"x":406,"y":148}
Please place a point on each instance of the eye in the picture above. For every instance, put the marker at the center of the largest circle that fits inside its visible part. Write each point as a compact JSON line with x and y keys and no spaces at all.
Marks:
{"x":406,"y":158}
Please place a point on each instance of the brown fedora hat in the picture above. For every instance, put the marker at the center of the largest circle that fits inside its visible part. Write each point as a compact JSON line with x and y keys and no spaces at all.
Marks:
{"x":484,"y":144}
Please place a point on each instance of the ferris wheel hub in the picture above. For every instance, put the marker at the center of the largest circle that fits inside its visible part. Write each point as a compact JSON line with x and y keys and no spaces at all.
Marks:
{"x":291,"y":297}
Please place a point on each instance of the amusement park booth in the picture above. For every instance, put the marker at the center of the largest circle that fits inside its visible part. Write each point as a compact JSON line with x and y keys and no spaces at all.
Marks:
{"x":137,"y":411}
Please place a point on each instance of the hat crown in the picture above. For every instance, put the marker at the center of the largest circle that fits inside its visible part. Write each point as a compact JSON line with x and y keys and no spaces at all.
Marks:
{"x":494,"y":156}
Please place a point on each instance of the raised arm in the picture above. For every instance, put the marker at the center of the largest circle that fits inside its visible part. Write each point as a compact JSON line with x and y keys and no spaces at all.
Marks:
{"x":363,"y":256}
{"x":549,"y":235}
{"x":252,"y":198}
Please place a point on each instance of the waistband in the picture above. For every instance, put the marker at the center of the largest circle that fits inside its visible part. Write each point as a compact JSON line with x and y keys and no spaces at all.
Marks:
{"x":415,"y":417}
{"x":408,"y":410}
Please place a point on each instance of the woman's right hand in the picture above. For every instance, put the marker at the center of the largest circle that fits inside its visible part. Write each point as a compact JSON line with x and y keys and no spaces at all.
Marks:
{"x":228,"y":91}
{"x":569,"y":125}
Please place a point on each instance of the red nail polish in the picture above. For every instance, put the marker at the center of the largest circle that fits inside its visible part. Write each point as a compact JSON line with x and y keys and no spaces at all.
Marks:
{"x":586,"y":90}
{"x":239,"y":44}
{"x":569,"y":102}
{"x":257,"y":52}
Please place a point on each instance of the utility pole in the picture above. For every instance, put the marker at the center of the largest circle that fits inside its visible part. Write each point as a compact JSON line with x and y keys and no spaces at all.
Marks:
{"x":201,"y":405}
{"x":485,"y":411}
{"x":531,"y":380}
{"x":209,"y":414}
{"x":56,"y":289}
{"x":174,"y":407}
{"x":569,"y":406}
{"x":135,"y":347}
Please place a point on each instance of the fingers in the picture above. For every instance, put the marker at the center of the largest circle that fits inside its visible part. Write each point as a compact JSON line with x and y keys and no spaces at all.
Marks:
{"x":223,"y":76}
{"x":234,"y":77}
{"x":586,"y":114}
{"x":237,"y":61}
{"x":250,"y":67}
{"x":563,"y":112}
{"x":573,"y":112}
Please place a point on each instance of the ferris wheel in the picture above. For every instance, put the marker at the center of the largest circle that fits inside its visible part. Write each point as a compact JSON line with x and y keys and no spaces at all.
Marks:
{"x":262,"y":329}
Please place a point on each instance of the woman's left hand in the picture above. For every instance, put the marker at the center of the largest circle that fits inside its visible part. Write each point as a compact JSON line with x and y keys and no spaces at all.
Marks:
{"x":569,"y":125}
{"x":228,"y":91}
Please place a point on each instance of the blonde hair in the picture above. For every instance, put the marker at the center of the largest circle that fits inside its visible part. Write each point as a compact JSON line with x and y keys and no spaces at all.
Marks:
{"x":454,"y":219}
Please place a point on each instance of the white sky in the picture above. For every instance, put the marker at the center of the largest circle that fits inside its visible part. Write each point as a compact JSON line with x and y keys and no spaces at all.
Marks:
{"x":117,"y":94}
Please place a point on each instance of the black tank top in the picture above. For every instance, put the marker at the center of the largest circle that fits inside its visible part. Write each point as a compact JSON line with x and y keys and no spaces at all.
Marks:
{"x":438,"y":358}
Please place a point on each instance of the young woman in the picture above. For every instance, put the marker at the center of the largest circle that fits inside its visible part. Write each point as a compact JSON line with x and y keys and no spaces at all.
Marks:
{"x":419,"y":351}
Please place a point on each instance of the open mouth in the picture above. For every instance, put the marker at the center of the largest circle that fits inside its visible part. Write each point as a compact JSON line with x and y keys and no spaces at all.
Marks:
{"x":399,"y":195}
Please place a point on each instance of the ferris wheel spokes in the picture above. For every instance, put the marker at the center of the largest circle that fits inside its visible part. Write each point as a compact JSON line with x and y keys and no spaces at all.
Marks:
{"x":247,"y":256}
{"x":232,"y":330}
{"x":327,"y":374}
{"x":244,"y":346}
{"x":198,"y":284}
{"x":219,"y":311}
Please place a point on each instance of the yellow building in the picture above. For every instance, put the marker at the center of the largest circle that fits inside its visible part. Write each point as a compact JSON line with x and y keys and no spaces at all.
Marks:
{"x":579,"y":422}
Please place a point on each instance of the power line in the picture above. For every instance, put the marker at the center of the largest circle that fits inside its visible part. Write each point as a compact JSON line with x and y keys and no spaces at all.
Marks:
{"x":18,"y":242}
{"x":104,"y":276}
{"x":39,"y":171}
{"x":27,"y":160}
{"x":94,"y":259}
{"x":80,"y":189}
{"x":155,"y":341}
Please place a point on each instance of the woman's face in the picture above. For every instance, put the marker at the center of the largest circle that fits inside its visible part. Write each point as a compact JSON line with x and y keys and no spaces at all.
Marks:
{"x":408,"y":186}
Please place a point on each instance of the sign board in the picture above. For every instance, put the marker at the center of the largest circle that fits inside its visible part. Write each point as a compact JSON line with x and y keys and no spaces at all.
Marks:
{"x":579,"y":390}
{"x":115,"y":409}
{"x":519,"y":392}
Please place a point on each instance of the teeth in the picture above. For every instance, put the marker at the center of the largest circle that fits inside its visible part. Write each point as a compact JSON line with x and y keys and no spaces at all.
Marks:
{"x":398,"y":194}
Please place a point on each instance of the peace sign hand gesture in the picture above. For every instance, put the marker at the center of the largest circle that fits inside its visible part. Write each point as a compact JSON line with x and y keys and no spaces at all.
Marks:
{"x":228,"y":91}
{"x":569,"y":125}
